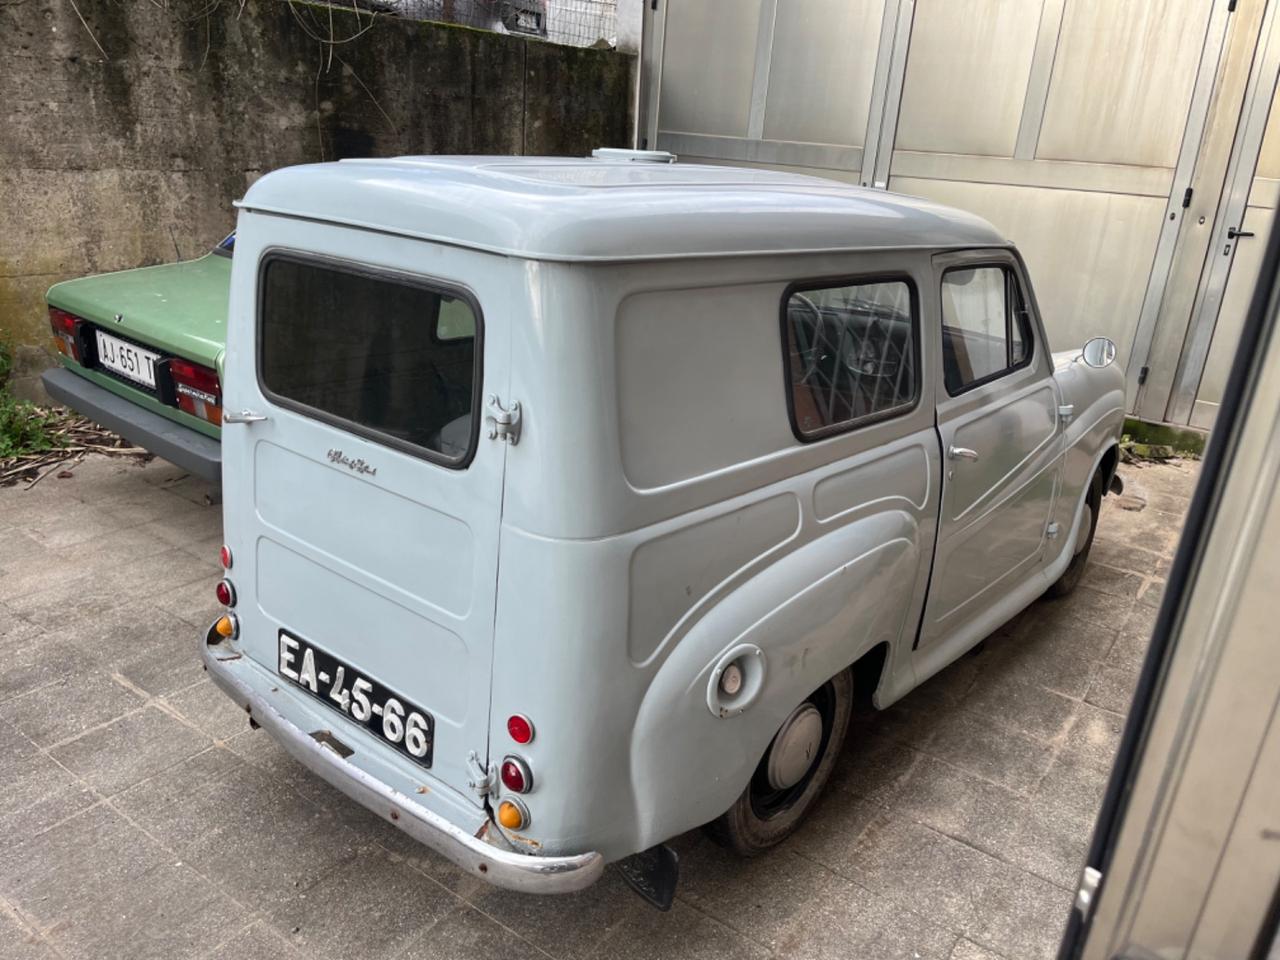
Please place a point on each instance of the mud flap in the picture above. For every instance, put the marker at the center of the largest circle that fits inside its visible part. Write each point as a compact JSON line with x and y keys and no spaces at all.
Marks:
{"x":1117,"y":485}
{"x":653,"y":874}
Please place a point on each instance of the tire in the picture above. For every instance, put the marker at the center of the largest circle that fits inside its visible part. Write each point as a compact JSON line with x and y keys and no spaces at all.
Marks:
{"x":763,"y":816}
{"x":1070,"y":579}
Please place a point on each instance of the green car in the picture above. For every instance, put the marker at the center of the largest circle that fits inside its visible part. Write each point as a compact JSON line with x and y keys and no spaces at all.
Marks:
{"x":142,"y":355}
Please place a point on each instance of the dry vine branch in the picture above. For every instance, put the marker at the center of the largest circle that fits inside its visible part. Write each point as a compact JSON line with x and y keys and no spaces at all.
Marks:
{"x":391,"y":123}
{"x":78,"y":437}
{"x":331,"y":40}
{"x":88,"y":31}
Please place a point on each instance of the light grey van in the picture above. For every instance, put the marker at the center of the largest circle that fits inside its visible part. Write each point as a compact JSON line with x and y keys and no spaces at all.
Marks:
{"x":562,"y":495}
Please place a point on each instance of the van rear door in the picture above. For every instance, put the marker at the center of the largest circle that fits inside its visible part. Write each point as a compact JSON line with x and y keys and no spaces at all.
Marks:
{"x":362,"y":512}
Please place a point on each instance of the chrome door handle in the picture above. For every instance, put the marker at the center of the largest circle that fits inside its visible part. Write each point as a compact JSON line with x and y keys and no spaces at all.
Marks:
{"x":244,"y":416}
{"x":961,"y":453}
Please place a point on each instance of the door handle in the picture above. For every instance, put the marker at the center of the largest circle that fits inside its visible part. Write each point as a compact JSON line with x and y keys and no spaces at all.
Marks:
{"x":244,"y":416}
{"x":1232,"y":233}
{"x":961,"y":453}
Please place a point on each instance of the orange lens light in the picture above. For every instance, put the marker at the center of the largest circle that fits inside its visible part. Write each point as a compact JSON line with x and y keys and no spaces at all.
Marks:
{"x":225,"y":627}
{"x":511,"y":816}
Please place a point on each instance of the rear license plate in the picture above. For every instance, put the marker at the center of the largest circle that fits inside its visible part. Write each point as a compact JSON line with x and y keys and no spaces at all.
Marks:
{"x":390,"y":717}
{"x":129,"y":361}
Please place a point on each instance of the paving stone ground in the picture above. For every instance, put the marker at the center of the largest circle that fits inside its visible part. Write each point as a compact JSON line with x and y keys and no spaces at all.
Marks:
{"x":140,"y":817}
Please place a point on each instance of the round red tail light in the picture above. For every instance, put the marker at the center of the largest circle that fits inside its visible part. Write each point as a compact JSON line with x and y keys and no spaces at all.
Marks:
{"x":226,"y":593}
{"x":520,"y":728}
{"x":224,"y":557}
{"x":516,"y":775}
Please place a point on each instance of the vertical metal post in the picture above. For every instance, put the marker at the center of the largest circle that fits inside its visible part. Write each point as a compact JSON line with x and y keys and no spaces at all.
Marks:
{"x":760,"y":77}
{"x":1184,"y":172}
{"x":879,"y":91}
{"x":893,"y":93}
{"x":653,"y":32}
{"x":1229,"y":215}
{"x":1039,"y":78}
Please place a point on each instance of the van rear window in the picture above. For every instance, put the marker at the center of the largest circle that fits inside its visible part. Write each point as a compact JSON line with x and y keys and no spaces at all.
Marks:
{"x":390,"y":359}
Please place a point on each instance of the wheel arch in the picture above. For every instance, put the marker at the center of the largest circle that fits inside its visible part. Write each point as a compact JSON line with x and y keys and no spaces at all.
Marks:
{"x":1109,"y":463}
{"x":837,"y":602}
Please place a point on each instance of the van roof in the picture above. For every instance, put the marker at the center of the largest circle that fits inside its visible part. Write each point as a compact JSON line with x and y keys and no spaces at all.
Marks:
{"x":557,"y":208}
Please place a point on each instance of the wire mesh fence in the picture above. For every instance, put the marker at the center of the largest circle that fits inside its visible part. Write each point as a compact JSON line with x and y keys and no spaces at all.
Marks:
{"x":579,"y":23}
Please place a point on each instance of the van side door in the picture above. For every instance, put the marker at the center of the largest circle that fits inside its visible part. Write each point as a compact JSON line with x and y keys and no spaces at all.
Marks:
{"x":997,"y":423}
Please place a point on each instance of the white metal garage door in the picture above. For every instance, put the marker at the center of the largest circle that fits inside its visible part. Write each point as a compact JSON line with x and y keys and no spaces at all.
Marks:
{"x":1078,"y":127}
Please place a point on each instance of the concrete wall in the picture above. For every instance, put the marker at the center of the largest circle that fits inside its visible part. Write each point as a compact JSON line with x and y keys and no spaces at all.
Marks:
{"x":124,"y":140}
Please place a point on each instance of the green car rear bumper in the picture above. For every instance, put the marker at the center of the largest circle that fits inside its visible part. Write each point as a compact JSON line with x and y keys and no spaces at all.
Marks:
{"x":194,"y":452}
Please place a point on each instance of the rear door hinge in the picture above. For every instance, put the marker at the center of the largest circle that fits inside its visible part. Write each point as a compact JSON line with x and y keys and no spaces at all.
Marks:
{"x":1231,"y":6}
{"x":1053,"y":530}
{"x":1087,"y":891}
{"x":481,"y":778}
{"x":1142,"y":375}
{"x":1066,"y":411}
{"x":1186,"y":198}
{"x":504,"y":422}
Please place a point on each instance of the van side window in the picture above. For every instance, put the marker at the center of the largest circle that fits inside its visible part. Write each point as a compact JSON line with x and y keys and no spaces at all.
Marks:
{"x":851,"y":354}
{"x":390,"y":359}
{"x":985,"y":328}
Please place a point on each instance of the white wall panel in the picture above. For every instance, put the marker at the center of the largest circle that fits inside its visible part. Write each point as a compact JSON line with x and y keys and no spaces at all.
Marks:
{"x":820,"y":74}
{"x":707,"y":66}
{"x":967,"y":75}
{"x":1089,"y":254}
{"x":1122,"y":80}
{"x":1269,"y":158}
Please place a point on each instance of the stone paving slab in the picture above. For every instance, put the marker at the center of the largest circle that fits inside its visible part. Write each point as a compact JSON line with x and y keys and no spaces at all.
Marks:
{"x":142,"y":818}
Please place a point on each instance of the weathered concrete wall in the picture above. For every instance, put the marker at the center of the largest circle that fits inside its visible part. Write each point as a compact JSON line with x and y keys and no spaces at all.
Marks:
{"x":132,"y":154}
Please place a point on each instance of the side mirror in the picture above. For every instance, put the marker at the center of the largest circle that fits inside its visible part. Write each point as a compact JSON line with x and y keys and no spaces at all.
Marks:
{"x":1099,"y":352}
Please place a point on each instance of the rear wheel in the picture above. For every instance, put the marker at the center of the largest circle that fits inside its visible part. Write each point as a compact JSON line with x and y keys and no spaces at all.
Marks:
{"x":792,"y":772}
{"x":1071,"y":577}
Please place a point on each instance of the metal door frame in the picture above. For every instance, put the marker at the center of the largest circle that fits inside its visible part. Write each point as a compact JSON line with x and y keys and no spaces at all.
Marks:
{"x":1183,"y":175}
{"x":1232,"y":205}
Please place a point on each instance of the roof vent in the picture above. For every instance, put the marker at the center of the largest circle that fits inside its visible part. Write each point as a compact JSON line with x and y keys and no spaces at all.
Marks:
{"x":633,"y":156}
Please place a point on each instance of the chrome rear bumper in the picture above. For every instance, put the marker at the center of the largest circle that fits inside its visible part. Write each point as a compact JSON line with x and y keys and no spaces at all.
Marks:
{"x":501,"y":867}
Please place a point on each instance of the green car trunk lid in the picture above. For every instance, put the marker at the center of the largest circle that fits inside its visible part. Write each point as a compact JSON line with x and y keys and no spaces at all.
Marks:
{"x":179,"y":308}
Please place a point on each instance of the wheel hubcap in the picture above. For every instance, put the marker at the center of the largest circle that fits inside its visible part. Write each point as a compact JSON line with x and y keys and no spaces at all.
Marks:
{"x":1086,"y":525}
{"x":795,"y":748}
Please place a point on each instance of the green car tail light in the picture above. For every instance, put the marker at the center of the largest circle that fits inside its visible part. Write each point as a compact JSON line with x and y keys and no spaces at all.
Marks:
{"x":196,"y":390}
{"x":66,"y":333}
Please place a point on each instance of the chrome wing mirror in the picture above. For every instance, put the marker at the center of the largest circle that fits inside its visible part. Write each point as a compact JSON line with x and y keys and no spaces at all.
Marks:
{"x":1099,"y":352}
